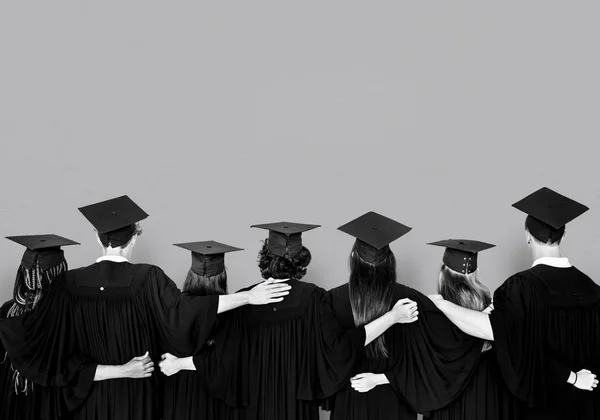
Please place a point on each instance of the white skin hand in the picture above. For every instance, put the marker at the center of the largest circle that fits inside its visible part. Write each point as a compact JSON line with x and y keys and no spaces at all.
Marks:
{"x":269,"y":291}
{"x":586,"y":380}
{"x":169,"y":364}
{"x":405,"y":311}
{"x":139,"y":367}
{"x":364,"y":382}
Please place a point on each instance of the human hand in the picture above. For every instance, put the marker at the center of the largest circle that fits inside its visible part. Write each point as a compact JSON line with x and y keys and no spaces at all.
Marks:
{"x":138,"y":367}
{"x":585,"y":380}
{"x":169,"y":364}
{"x":405,"y":311}
{"x":364,"y":382}
{"x":269,"y":291}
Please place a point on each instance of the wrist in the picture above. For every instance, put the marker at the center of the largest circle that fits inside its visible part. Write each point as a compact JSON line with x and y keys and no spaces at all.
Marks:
{"x":245,"y":297}
{"x":572,"y":378}
{"x":381,"y":379}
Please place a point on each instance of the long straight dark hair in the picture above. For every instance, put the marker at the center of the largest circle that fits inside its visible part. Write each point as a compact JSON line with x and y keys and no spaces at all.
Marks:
{"x":371,"y":289}
{"x":198,"y":285}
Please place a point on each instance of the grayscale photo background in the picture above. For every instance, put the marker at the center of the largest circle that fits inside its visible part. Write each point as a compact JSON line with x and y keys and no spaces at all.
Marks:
{"x":215,"y":116}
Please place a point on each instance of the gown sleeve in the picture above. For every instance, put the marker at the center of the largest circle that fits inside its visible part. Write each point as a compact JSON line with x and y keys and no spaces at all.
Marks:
{"x":42,"y":346}
{"x":434,"y":360}
{"x":331,"y":353}
{"x":184,"y":322}
{"x":224,"y":365}
{"x":518,"y":339}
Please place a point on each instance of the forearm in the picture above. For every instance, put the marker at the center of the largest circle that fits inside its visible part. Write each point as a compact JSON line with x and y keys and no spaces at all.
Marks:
{"x":106,"y":372}
{"x":375,"y":328}
{"x":382,"y":379}
{"x":186,"y":363}
{"x":229,"y":302}
{"x":474,"y":323}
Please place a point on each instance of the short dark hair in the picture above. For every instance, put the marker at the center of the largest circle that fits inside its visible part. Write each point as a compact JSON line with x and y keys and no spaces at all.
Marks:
{"x":120,"y":237}
{"x":283,"y":267}
{"x":543,"y":232}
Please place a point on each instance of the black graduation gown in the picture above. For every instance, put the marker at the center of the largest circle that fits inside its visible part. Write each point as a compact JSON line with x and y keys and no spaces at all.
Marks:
{"x":106,"y":313}
{"x":187,"y":397}
{"x":546,"y":322}
{"x":430,"y":362}
{"x":275,"y":362}
{"x":15,"y":405}
{"x":485,"y":396}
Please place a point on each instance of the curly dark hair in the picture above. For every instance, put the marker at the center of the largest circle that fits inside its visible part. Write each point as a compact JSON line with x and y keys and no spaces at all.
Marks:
{"x":285,"y":267}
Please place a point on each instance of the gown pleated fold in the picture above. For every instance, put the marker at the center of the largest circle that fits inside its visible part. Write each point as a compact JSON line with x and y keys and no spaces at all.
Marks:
{"x":430,"y":363}
{"x":107,"y":314}
{"x":546,"y":323}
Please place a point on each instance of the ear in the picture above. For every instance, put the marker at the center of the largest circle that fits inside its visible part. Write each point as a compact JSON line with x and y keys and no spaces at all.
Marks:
{"x":528,"y":237}
{"x":132,"y":242}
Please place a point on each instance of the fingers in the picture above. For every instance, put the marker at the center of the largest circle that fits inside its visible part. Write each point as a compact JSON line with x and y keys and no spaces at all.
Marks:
{"x":279,"y":280}
{"x":357,"y":377}
{"x":405,"y":301}
{"x":279,"y":294}
{"x":142,"y":357}
{"x":165,"y":355}
{"x":275,"y":300}
{"x":277,"y":287}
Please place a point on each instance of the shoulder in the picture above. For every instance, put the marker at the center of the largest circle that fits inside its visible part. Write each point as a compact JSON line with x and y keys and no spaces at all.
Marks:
{"x":340,"y":292}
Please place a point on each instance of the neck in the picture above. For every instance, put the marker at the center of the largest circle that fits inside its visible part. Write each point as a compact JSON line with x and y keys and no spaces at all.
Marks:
{"x":544,"y":251}
{"x":115,"y":252}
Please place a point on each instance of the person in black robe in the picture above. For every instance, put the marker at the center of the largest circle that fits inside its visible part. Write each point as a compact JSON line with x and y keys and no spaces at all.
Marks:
{"x":546,"y":320}
{"x":185,"y":394}
{"x":42,"y":262}
{"x":485,"y":396}
{"x":106,"y":313}
{"x":278,"y":361}
{"x":412,"y":368}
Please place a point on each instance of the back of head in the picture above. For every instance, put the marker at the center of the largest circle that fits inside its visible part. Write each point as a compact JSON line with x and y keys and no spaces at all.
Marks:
{"x":203,"y":285}
{"x":543,"y":232}
{"x":34,"y":276}
{"x":120,"y":238}
{"x":371,"y":292}
{"x":283,"y":267}
{"x":464,"y":290}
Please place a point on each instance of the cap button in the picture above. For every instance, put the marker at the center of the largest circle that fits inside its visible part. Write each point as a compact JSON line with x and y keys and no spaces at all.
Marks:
{"x":101,"y":288}
{"x":114,"y":213}
{"x":274,"y":309}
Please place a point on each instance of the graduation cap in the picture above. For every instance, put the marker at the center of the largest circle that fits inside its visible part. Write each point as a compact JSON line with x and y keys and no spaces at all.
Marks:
{"x":285,"y":238}
{"x":45,"y":248}
{"x":208,"y":257}
{"x":374,"y":233}
{"x":461,"y":254}
{"x":115,"y":219}
{"x":548,"y":213}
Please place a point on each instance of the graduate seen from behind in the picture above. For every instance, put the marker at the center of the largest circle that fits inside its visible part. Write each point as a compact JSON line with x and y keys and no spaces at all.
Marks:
{"x":485,"y":396}
{"x":546,"y":320}
{"x":277,"y":361}
{"x":42,"y":262}
{"x":186,"y":396}
{"x":412,"y":368}
{"x":95,"y":319}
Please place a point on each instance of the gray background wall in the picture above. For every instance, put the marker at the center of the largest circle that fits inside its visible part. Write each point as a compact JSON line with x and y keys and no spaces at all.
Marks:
{"x":217,"y":116}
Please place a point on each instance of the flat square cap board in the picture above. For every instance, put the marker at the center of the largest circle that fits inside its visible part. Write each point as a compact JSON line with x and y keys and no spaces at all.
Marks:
{"x":551,"y":207}
{"x":39,"y":242}
{"x":113,"y":214}
{"x":285,"y":238}
{"x":208,"y":257}
{"x":375,"y":229}
{"x":461,"y":254}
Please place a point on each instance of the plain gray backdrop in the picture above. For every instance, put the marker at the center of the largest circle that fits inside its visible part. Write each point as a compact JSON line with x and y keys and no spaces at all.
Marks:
{"x":217,"y":116}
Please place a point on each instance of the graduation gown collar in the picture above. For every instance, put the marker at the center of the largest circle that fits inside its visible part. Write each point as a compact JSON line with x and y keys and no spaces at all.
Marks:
{"x":558,"y":262}
{"x":113,"y":258}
